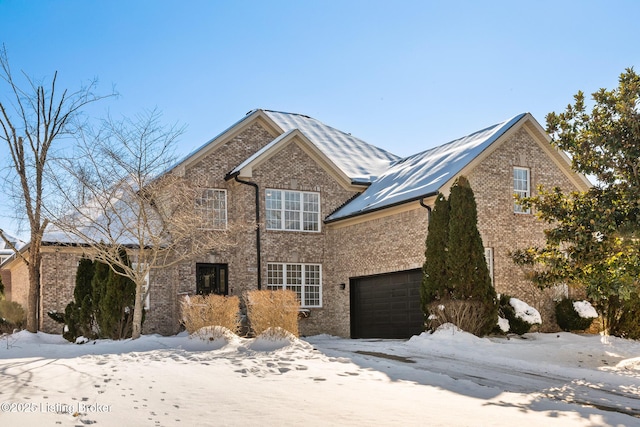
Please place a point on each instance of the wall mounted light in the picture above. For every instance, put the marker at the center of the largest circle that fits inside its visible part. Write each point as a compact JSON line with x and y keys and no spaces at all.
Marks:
{"x":342,"y":286}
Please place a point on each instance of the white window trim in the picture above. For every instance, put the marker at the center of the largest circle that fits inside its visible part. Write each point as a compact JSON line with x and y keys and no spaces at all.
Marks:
{"x":209,"y":220}
{"x":522,"y":193}
{"x":282,"y":210}
{"x":303,"y":285}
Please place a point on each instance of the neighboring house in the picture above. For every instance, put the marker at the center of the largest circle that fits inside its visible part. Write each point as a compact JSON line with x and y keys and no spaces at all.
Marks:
{"x":6,"y":252}
{"x":342,"y":223}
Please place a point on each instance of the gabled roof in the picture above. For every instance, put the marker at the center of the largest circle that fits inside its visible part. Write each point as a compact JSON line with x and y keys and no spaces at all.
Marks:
{"x":423,"y":174}
{"x":358,"y":160}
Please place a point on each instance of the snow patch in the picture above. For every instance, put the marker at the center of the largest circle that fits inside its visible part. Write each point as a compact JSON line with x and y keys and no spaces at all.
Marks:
{"x":525,"y":312}
{"x":585,"y":309}
{"x":274,"y":339}
{"x":503,"y":324}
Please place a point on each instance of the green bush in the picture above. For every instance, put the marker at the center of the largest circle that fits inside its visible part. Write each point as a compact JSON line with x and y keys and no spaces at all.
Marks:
{"x":12,"y":316}
{"x":506,"y":311}
{"x":568,"y":318}
{"x":627,"y":324}
{"x":456,"y":275}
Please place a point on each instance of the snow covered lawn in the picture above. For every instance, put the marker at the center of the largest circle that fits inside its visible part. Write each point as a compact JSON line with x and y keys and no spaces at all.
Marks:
{"x":446,"y":379}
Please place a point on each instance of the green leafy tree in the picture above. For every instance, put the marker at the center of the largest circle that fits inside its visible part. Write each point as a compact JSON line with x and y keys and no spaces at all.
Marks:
{"x":592,"y":242}
{"x":435,"y":282}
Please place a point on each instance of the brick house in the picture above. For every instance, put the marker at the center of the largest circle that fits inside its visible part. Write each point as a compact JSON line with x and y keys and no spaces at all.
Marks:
{"x":340,"y":221}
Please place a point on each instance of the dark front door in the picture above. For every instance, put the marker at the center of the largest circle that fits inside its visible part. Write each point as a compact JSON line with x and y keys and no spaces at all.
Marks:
{"x":211,"y":279}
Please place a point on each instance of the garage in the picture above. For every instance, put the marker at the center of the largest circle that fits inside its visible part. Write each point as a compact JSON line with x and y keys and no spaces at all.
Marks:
{"x":386,"y":305}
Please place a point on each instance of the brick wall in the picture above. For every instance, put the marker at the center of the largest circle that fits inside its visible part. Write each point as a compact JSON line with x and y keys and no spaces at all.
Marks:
{"x":5,"y":276}
{"x":501,"y":228}
{"x":381,"y":245}
{"x":57,"y":278}
{"x":19,"y":284}
{"x":293,"y":169}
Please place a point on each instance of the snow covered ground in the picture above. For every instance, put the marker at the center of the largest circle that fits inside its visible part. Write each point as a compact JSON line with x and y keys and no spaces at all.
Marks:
{"x":449,"y":378}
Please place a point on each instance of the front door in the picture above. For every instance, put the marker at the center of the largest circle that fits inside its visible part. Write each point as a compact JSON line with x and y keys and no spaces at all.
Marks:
{"x":211,"y":279}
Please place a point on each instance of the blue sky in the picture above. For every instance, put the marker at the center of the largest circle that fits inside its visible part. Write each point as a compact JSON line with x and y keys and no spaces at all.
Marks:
{"x":402,"y":75}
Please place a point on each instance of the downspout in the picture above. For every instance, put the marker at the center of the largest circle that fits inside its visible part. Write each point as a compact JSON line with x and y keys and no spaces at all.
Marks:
{"x":258,"y":251}
{"x":428,"y":210}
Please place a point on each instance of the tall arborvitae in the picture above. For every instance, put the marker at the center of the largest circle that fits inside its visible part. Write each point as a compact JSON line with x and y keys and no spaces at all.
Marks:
{"x":116,"y":304}
{"x":99,"y":288}
{"x":435,"y":282}
{"x":469,"y":275}
{"x":78,"y":314}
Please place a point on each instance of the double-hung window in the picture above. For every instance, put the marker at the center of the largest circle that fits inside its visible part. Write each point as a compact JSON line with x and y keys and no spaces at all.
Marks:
{"x":304,"y":279}
{"x":292,"y":210}
{"x":521,"y":187}
{"x":212,"y":206}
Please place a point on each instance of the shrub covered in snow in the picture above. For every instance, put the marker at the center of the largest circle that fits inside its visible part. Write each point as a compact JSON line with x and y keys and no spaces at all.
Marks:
{"x":574,"y":317}
{"x":516,"y":316}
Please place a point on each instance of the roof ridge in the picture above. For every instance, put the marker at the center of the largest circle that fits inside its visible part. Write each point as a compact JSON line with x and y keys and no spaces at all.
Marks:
{"x":286,"y":112}
{"x":440,"y":146}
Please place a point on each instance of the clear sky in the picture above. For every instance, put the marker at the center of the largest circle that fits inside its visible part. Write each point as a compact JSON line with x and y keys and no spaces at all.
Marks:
{"x":402,"y":75}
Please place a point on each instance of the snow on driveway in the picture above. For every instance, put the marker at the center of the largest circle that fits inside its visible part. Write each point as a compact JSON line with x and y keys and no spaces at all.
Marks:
{"x":445,"y":379}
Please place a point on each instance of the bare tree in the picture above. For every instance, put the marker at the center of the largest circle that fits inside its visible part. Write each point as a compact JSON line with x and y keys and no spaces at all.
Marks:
{"x":132,"y":200}
{"x":34,"y":119}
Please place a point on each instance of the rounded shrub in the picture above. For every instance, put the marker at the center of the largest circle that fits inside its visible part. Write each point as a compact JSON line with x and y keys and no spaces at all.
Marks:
{"x":568,"y":318}
{"x":517,"y":325}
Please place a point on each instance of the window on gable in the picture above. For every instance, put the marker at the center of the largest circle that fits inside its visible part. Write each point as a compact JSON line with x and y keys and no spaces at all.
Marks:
{"x":212,"y":206}
{"x":292,"y":210}
{"x":304,"y":279}
{"x":521,"y":187}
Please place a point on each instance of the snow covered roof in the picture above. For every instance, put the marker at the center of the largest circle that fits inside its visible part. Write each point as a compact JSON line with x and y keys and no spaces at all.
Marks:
{"x":359,"y":160}
{"x":107,"y":218}
{"x":5,"y":250}
{"x":422,"y":174}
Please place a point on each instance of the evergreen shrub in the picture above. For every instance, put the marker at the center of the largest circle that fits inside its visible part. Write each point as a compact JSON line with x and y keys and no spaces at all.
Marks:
{"x":456,"y":275}
{"x":568,"y":318}
{"x":516,"y":324}
{"x":627,"y":323}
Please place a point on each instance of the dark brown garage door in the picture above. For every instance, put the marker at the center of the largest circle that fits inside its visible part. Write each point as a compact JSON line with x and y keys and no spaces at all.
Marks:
{"x":386,"y":305}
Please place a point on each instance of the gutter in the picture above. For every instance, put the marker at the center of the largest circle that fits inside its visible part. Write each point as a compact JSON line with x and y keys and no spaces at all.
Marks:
{"x":258,"y":248}
{"x":355,"y":214}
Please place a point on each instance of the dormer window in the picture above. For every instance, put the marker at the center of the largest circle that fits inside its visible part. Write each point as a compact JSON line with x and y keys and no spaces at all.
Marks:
{"x":292,"y":210}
